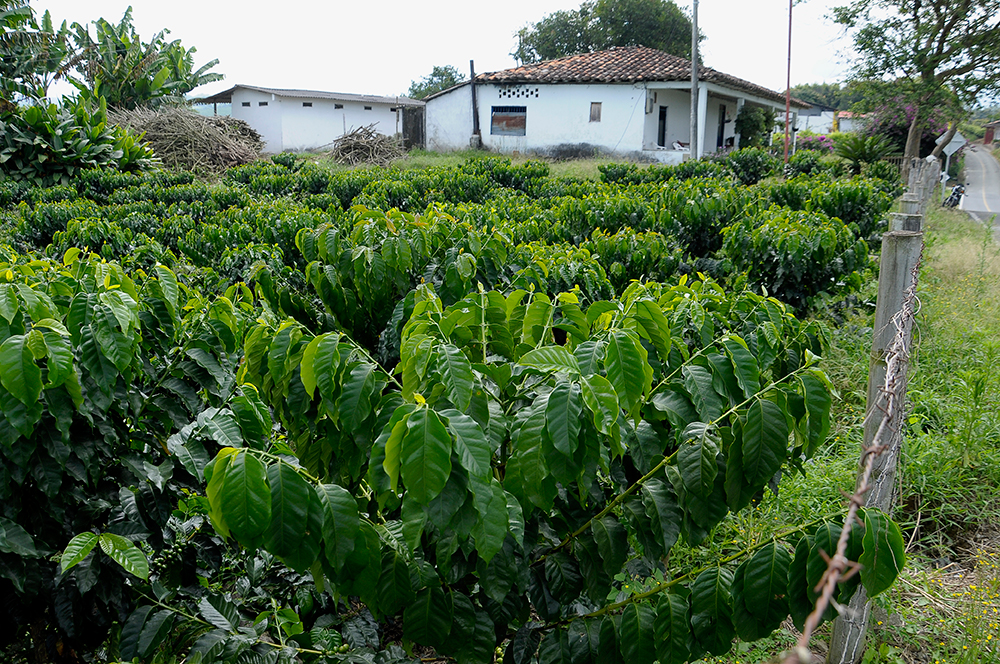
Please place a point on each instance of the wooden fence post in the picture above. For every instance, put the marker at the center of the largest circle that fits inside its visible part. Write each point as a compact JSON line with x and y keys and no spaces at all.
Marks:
{"x":901,"y":249}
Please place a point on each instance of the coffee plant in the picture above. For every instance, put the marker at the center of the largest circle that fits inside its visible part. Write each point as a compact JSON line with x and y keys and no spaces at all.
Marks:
{"x":271,"y":424}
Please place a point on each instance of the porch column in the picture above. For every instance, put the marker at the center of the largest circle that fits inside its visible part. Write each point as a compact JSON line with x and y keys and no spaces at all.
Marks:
{"x":702,"y":118}
{"x":739,"y":107}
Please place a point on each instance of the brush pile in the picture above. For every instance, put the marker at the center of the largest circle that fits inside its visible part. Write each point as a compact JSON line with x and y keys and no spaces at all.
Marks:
{"x":186,"y":140}
{"x":365,"y":146}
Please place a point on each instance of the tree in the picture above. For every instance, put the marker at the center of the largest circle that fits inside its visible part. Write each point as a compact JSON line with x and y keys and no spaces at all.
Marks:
{"x":120,"y":67}
{"x":837,"y":95}
{"x":601,"y":24}
{"x":440,"y":78}
{"x":754,"y":125}
{"x":31,"y":55}
{"x":936,"y":51}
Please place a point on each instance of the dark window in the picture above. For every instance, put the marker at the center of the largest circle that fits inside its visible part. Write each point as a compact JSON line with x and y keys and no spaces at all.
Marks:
{"x":246,"y":104}
{"x":595,"y":111}
{"x":307,"y":104}
{"x":336,"y":106}
{"x":368,"y":108}
{"x":262,"y":103}
{"x":508,"y":120}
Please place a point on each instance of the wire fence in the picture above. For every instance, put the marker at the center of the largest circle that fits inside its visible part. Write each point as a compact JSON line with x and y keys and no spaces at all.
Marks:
{"x":888,"y":406}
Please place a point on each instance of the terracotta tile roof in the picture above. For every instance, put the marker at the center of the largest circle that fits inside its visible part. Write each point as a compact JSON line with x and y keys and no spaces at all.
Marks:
{"x":625,"y":65}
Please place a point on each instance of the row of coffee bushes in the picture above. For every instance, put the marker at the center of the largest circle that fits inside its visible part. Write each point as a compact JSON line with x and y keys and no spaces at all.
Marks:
{"x":548,"y":233}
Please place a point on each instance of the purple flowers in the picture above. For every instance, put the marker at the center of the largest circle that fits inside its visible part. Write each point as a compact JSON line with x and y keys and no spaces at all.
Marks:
{"x":817,"y":143}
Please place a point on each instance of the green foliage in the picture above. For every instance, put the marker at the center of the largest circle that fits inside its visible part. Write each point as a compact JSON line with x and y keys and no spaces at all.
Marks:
{"x":440,"y":78}
{"x":859,"y":149}
{"x":477,"y":420}
{"x":856,"y":202}
{"x":888,"y":173}
{"x":602,"y":24}
{"x":98,"y":374}
{"x":751,"y":164}
{"x":631,"y":174}
{"x":928,"y":52}
{"x":835,"y":95}
{"x":32,"y":54}
{"x":796,"y":255}
{"x":754,"y":125}
{"x":117,"y":65}
{"x":48,"y":144}
{"x":803,"y":162}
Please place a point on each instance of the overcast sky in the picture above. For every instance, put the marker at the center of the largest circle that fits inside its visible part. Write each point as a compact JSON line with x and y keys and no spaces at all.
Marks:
{"x":380,"y":47}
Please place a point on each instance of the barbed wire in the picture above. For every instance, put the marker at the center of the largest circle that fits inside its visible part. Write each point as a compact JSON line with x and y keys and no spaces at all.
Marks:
{"x":890,"y":404}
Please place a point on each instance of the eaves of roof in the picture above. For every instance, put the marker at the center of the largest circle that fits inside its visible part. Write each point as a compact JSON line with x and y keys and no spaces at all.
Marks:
{"x":226,"y":96}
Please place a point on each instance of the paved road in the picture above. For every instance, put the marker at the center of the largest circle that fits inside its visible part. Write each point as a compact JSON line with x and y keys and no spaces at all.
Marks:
{"x":982,"y":195}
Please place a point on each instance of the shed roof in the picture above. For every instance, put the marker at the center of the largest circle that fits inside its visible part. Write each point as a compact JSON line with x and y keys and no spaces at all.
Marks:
{"x":629,"y":64}
{"x":226,"y":96}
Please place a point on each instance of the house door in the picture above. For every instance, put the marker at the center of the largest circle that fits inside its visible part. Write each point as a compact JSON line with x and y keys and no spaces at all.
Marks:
{"x":661,"y":128}
{"x":721,"y":138}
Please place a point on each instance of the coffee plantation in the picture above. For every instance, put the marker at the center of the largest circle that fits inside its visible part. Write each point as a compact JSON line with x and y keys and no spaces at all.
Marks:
{"x":377,"y":415}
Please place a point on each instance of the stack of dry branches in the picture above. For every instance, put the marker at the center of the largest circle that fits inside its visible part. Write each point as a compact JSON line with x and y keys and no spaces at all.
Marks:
{"x":365,"y":146}
{"x":184,"y":139}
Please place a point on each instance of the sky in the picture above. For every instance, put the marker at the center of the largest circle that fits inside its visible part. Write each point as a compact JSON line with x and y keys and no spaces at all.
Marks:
{"x":380,"y":47}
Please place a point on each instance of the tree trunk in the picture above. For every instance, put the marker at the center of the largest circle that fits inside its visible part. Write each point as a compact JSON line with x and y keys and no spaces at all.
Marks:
{"x":38,"y":642}
{"x":912,"y":150}
{"x":939,"y":148}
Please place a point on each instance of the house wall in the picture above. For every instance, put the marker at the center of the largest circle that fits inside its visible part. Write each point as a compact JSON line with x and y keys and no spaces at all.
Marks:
{"x":449,"y":120}
{"x":285,"y":124}
{"x":309,"y":128}
{"x":557,"y":118}
{"x":265,"y":119}
{"x":821,"y":123}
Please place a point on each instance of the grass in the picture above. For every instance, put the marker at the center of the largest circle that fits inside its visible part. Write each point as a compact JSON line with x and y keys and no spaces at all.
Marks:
{"x":421,"y":159}
{"x":945,"y":607}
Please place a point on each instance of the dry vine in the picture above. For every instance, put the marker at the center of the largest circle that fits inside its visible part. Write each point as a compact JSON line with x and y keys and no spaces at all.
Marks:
{"x":889,"y":403}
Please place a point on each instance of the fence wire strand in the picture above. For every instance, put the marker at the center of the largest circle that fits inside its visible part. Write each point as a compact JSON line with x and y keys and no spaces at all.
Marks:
{"x":890,"y":405}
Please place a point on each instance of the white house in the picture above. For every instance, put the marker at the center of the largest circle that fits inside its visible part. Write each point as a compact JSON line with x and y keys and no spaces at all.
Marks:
{"x":300,"y":120}
{"x":633,"y":100}
{"x":817,"y":119}
{"x":849,"y":121}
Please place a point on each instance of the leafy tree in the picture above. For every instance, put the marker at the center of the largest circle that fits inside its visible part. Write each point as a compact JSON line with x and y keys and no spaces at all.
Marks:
{"x":754,"y":124}
{"x":838,"y":95}
{"x":601,"y":24}
{"x":440,"y":78}
{"x":888,"y":112}
{"x":120,"y":67}
{"x":31,"y":55}
{"x":935,"y":50}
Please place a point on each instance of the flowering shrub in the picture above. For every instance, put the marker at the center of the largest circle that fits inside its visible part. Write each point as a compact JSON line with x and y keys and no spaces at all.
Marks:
{"x":818,"y":143}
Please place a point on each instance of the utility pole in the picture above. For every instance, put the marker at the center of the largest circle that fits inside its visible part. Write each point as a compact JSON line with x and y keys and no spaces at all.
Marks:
{"x":694,"y":80}
{"x":477,"y":138}
{"x":788,"y":83}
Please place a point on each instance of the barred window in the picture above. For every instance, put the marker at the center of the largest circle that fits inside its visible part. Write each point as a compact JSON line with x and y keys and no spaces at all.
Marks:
{"x":508,"y":120}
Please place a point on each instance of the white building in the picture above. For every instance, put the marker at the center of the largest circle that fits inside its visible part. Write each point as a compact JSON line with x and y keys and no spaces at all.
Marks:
{"x":300,"y":120}
{"x":818,"y":119}
{"x":626,"y":101}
